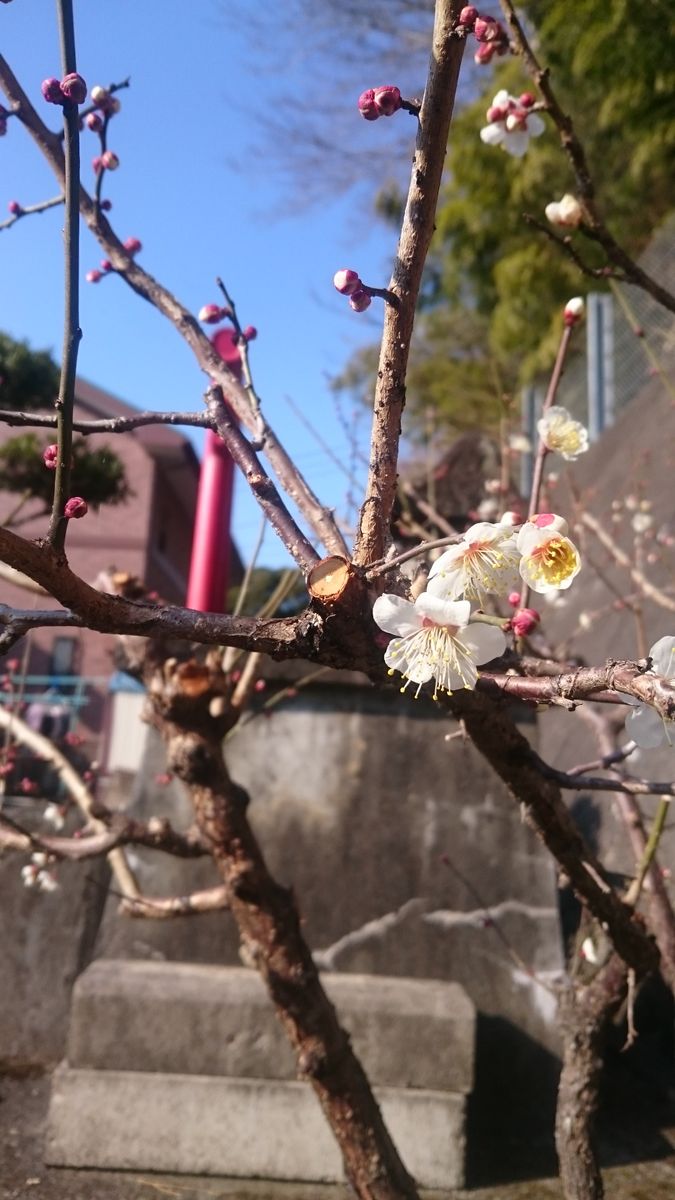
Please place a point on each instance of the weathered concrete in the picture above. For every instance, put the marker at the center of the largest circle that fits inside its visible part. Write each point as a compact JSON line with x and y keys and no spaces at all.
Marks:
{"x":243,"y":1127}
{"x":143,"y":1016}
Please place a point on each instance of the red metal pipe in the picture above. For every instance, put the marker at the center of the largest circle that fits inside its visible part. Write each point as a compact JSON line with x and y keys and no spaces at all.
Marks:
{"x":212,"y":538}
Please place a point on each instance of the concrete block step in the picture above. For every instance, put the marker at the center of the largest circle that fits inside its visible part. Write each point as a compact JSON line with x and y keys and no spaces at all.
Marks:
{"x":269,"y":1129}
{"x":191,"y":1019}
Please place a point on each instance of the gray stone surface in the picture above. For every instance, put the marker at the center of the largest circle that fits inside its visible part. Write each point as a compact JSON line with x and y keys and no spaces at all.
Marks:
{"x":241,"y":1127}
{"x":395,"y":842}
{"x":202,"y":1020}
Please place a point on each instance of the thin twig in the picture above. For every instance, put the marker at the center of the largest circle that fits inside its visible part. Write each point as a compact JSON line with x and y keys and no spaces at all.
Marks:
{"x":29,"y":209}
{"x":71,"y":244}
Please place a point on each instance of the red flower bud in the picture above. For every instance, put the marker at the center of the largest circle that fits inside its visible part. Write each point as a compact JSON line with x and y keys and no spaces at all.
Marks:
{"x":524,"y":621}
{"x":514,"y":598}
{"x":468,"y":16}
{"x":210,"y":314}
{"x":14,"y":207}
{"x":75,"y":508}
{"x":250,"y":333}
{"x":132,"y":245}
{"x":485,"y":53}
{"x":387,"y":100}
{"x":360,"y":300}
{"x":74,"y":88}
{"x":51,"y":90}
{"x":367,"y":105}
{"x":106,"y":265}
{"x":347,"y":282}
{"x":50,"y":456}
{"x":526,"y":99}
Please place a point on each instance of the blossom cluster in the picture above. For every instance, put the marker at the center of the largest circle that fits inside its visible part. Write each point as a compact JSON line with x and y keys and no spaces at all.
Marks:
{"x":511,"y":123}
{"x":436,"y":638}
{"x":349,"y":283}
{"x":489,"y":33}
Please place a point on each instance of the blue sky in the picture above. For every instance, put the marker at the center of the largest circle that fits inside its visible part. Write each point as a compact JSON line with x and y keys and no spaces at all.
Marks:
{"x":200,"y":185}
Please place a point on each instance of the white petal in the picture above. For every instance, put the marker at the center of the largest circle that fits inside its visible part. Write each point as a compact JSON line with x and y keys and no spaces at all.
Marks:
{"x":553,"y":214}
{"x":502,"y":99}
{"x":443,"y":612}
{"x":662,"y":655}
{"x":646,"y":727}
{"x":448,"y":584}
{"x":515,"y":143}
{"x":401,"y":655}
{"x":446,"y":561}
{"x":535,"y":125}
{"x":493,"y":134}
{"x":484,"y":641}
{"x":393,"y":614}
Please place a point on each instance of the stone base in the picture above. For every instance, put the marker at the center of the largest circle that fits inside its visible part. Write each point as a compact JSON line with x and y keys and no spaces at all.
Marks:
{"x":210,"y":1125}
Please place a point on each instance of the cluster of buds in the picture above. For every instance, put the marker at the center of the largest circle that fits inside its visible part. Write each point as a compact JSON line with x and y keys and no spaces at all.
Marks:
{"x":348,"y":283}
{"x":132,"y":245}
{"x":490,"y":34}
{"x":72,"y":89}
{"x":37,"y":874}
{"x":103,"y":100}
{"x":214,"y":314}
{"x":108,"y":161}
{"x":566,"y":213}
{"x":379,"y":102}
{"x":512,"y":122}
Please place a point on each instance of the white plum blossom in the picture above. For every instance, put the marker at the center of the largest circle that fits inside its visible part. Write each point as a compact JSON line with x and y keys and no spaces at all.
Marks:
{"x":510,"y":125}
{"x":550,"y":560}
{"x":566,"y":212}
{"x":484,"y":562}
{"x":560,"y":432}
{"x":37,"y":875}
{"x":644,"y":724}
{"x":434,"y":639}
{"x":53,"y":815}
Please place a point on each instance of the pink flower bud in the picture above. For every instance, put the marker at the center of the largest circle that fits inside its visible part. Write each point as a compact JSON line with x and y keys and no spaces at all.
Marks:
{"x":163,"y":778}
{"x":14,"y":207}
{"x":97,"y":163}
{"x":367,"y":106}
{"x":524,"y":621}
{"x":113,"y":105}
{"x":526,"y":99}
{"x":250,"y":333}
{"x":94,"y":122}
{"x":75,"y":508}
{"x":210,"y":314}
{"x":110,"y":161}
{"x":485,"y":53}
{"x":73,"y":739}
{"x":487,"y":30}
{"x":496,"y":113}
{"x":259,"y":685}
{"x":347,"y":282}
{"x":360,"y":300}
{"x":51,"y":90}
{"x":99,"y":95}
{"x":387,"y":100}
{"x":132,"y":245}
{"x":468,"y":16}
{"x":93,"y":276}
{"x":514,"y":599}
{"x":50,"y":456}
{"x":106,"y":265}
{"x":574,"y":311}
{"x":74,"y":88}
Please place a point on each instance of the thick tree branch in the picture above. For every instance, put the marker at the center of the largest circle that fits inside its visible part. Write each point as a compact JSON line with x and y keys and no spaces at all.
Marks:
{"x":416,"y":232}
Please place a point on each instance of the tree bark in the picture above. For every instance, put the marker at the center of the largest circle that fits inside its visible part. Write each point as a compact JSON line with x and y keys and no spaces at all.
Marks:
{"x":584,"y":1012}
{"x":269,"y":926}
